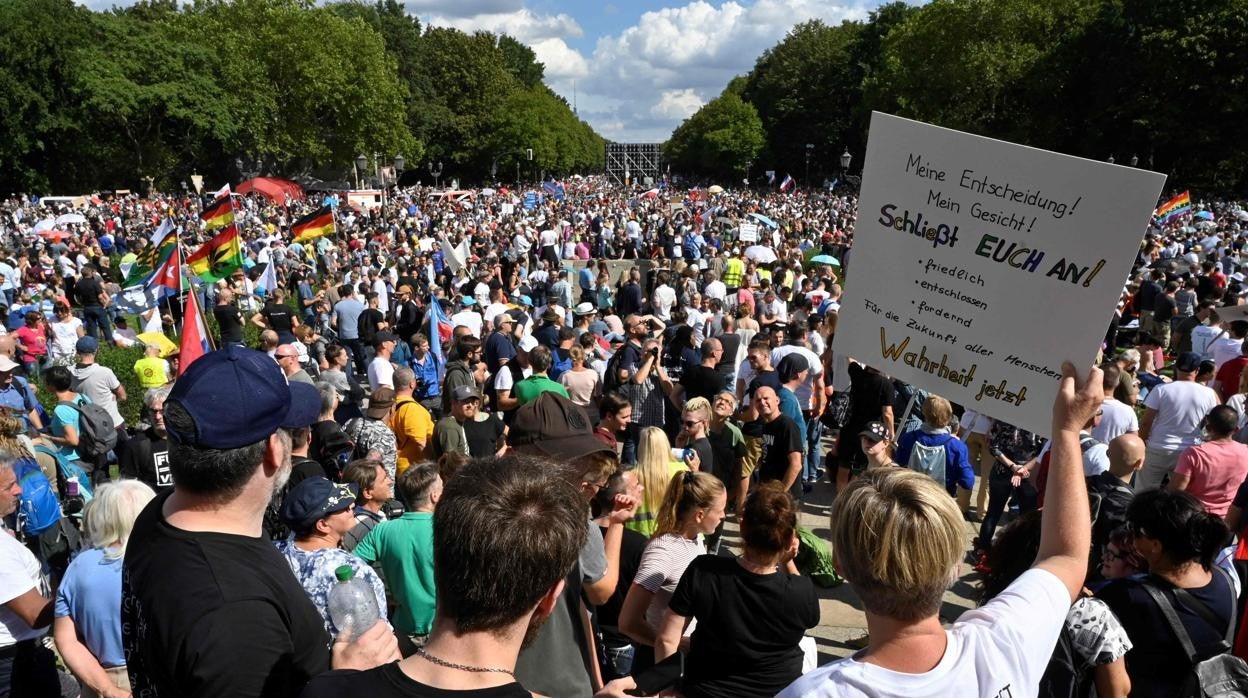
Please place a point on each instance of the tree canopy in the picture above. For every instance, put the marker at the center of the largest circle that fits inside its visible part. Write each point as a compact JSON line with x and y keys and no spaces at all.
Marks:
{"x":1161,"y":81}
{"x":162,"y":89}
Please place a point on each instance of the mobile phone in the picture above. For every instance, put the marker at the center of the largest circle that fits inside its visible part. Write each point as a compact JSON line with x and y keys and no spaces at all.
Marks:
{"x":663,"y":675}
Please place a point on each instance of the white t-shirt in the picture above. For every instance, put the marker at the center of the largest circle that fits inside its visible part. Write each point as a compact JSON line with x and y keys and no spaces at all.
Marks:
{"x":1202,"y":335}
{"x":664,"y":301}
{"x":1224,"y":349}
{"x":19,"y":573}
{"x":469,"y":319}
{"x":806,"y":391}
{"x":716,"y":289}
{"x":1180,"y":406}
{"x":65,"y":337}
{"x":1116,"y":419}
{"x":380,"y":373}
{"x":998,"y":651}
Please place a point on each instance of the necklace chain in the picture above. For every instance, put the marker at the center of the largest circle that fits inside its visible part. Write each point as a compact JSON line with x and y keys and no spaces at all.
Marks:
{"x":463,"y":667}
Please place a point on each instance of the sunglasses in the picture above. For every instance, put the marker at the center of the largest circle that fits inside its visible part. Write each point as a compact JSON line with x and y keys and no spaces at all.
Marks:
{"x":691,"y":423}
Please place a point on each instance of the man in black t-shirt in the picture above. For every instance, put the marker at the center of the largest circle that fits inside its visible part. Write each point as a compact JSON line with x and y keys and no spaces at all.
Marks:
{"x":209,"y":607}
{"x":146,"y":455}
{"x":277,"y":316}
{"x":781,"y":459}
{"x":704,"y":380}
{"x":228,"y":317}
{"x":89,"y":292}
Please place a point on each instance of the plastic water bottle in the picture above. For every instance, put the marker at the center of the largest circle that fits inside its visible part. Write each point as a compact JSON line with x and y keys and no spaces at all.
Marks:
{"x":352,"y":605}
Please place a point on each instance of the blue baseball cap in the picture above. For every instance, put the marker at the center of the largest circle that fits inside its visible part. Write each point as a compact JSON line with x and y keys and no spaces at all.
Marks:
{"x":237,"y":397}
{"x":312,"y":499}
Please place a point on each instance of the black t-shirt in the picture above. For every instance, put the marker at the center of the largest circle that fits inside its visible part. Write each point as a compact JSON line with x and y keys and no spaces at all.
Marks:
{"x":87,"y":292}
{"x":869,"y":394}
{"x":367,"y":324}
{"x":1157,"y":663}
{"x":230,"y":321}
{"x":780,"y":438}
{"x":700,"y":381}
{"x":279,"y":317}
{"x":731,"y":344}
{"x":483,"y":437}
{"x":1164,"y":307}
{"x":146,"y":458}
{"x":706,"y":454}
{"x":1147,"y":295}
{"x":749,"y":625}
{"x":632,"y":545}
{"x":215,"y":614}
{"x":389,"y":681}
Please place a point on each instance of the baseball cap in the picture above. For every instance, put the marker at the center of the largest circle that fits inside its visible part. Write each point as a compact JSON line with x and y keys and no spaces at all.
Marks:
{"x":525,"y":300}
{"x":385,"y":336}
{"x":527,"y":343}
{"x":87,"y":345}
{"x":790,"y":366}
{"x":6,"y":364}
{"x":1188,"y":361}
{"x":465,"y":392}
{"x":314,"y":498}
{"x":237,"y":396}
{"x":614,"y":338}
{"x":380,"y":402}
{"x":556,"y":427}
{"x":467,"y":300}
{"x":874,"y":431}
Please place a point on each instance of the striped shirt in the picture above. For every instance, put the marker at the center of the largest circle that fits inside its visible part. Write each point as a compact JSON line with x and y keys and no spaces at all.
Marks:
{"x":662,"y":565}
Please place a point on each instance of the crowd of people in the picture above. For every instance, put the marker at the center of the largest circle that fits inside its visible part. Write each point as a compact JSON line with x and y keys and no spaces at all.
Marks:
{"x":523,"y":428}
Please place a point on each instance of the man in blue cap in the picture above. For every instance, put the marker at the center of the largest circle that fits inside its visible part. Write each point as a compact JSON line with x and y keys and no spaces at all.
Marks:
{"x":319,"y":514}
{"x":209,"y":606}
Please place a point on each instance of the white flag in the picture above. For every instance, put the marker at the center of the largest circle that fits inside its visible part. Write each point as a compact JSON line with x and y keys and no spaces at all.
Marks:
{"x":223,"y":191}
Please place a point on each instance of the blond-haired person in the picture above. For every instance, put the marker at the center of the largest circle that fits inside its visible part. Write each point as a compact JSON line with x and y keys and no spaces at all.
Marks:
{"x":897,"y":538}
{"x":924,"y":448}
{"x":87,"y":628}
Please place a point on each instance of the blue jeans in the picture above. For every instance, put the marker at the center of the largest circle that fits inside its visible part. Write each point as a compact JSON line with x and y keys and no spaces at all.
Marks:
{"x":814,"y":454}
{"x":94,"y":316}
{"x":617,"y":662}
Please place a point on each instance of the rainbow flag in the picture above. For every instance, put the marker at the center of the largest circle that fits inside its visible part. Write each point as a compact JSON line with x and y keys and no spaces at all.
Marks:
{"x":314,"y":225}
{"x":219,"y":214}
{"x":1173,"y":208}
{"x":219,"y":257}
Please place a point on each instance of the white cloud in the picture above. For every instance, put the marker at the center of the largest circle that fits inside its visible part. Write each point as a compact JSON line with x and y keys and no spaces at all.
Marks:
{"x":523,"y":24}
{"x":463,"y":8}
{"x":677,"y":104}
{"x":563,"y":63}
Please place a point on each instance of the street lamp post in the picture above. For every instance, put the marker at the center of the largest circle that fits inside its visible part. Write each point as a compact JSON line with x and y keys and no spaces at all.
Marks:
{"x":361,"y":162}
{"x":809,"y":148}
{"x":1135,"y":160}
{"x":746,"y":181}
{"x":846,"y":158}
{"x":1110,"y":159}
{"x":436,"y":171}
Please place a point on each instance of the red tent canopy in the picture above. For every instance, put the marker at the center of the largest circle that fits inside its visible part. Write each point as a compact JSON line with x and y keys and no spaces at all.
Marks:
{"x":275,"y":188}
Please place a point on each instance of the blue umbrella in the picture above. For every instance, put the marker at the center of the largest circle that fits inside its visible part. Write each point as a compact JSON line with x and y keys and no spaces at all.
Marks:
{"x":764,"y":220}
{"x":1204,"y":216}
{"x":825,"y":259}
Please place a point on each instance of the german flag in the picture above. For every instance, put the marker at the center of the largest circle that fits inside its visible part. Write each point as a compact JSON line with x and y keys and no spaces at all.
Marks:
{"x":314,"y":225}
{"x":219,"y":214}
{"x":219,"y":257}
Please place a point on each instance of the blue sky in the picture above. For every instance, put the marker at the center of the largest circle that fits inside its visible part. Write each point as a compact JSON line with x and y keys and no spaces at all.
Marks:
{"x":637,"y":67}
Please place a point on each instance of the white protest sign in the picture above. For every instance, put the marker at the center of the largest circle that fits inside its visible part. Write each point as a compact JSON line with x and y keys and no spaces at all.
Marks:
{"x":507,"y":209}
{"x":980,"y":265}
{"x":748,"y":232}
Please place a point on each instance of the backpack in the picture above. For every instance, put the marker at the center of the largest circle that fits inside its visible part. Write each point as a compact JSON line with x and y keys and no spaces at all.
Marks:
{"x":611,"y":374}
{"x":1221,"y":676}
{"x":39,"y":508}
{"x":1067,"y":675}
{"x":814,"y":559}
{"x":96,"y":433}
{"x":929,"y":460}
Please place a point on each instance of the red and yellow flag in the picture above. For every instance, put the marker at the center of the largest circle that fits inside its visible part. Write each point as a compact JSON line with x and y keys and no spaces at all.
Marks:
{"x":219,"y":214}
{"x":314,"y":225}
{"x":219,"y":257}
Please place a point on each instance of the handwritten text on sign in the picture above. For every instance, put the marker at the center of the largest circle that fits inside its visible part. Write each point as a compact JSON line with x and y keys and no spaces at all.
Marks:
{"x":979,"y":265}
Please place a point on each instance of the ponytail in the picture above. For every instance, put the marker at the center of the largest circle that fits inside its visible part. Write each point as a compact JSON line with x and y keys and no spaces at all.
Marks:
{"x":1177,"y":520}
{"x":686,"y":492}
{"x":1209,"y":536}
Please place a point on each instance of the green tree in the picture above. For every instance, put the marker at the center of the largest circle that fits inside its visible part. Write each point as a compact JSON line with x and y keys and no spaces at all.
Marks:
{"x":521,"y":62}
{"x":719,"y":138}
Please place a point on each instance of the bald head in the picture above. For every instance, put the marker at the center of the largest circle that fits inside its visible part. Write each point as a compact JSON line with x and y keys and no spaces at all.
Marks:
{"x":1126,"y":454}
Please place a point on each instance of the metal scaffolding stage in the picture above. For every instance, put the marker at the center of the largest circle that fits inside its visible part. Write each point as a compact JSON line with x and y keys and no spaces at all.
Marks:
{"x":635,"y":162}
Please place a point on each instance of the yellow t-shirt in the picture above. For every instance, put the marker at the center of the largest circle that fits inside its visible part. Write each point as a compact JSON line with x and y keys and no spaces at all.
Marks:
{"x":152,"y":371}
{"x":411,"y":424}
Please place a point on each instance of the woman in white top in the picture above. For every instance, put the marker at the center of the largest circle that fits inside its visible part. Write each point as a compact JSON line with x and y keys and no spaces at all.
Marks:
{"x":693,"y":506}
{"x":66,"y":329}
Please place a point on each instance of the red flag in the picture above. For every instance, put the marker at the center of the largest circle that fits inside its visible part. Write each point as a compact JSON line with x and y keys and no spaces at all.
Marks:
{"x":194,"y":334}
{"x":169,"y":273}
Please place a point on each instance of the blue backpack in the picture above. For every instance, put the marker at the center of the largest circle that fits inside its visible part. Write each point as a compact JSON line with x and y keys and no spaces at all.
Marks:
{"x":40,"y":509}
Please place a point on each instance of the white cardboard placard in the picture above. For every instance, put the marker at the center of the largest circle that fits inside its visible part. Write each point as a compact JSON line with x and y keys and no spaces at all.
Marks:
{"x":978,"y":265}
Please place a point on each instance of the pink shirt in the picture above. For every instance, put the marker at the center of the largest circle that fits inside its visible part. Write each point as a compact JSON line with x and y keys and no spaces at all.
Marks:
{"x":1217,"y":469}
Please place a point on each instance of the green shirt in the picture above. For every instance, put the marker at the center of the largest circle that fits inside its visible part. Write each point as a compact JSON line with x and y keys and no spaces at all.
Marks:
{"x":528,"y":389}
{"x":404,"y":547}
